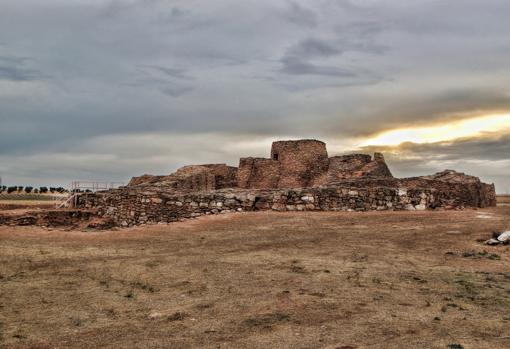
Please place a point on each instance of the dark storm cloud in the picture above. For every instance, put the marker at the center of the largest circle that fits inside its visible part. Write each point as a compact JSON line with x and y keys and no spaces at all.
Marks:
{"x":75,"y":75}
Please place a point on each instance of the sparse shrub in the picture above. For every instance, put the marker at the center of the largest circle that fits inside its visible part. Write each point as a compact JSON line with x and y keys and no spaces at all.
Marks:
{"x":43,"y":190}
{"x":28,"y":190}
{"x":178,"y":316}
{"x":20,"y":189}
{"x":52,"y":190}
{"x":266,"y":320}
{"x":11,"y":189}
{"x":144,"y":285}
{"x":455,"y":346}
{"x":76,"y":321}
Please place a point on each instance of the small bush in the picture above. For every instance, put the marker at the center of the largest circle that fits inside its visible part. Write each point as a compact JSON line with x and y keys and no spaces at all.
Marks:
{"x":28,"y":190}
{"x":12,"y":189}
{"x":43,"y":190}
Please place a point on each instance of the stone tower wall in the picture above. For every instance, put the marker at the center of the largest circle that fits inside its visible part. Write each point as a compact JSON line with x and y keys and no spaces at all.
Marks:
{"x":258,"y":173}
{"x":300,"y":162}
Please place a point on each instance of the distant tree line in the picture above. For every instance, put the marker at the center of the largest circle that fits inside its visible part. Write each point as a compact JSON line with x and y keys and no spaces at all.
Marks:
{"x":82,"y":191}
{"x":29,"y":189}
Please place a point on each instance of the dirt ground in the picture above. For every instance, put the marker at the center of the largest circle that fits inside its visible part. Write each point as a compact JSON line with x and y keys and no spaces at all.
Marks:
{"x":261,"y":280}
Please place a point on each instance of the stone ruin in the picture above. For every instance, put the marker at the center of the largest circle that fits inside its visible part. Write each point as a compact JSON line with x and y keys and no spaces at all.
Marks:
{"x":298,"y":176}
{"x":293,"y":164}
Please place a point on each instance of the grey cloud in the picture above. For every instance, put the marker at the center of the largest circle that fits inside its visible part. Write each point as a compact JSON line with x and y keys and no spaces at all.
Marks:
{"x":433,"y":106}
{"x":311,"y":48}
{"x":176,"y":73}
{"x":257,"y":69}
{"x":173,"y":82}
{"x":176,"y":91}
{"x":296,"y":66}
{"x":485,"y":156}
{"x":16,"y":69}
{"x":300,"y":15}
{"x":488,"y":147}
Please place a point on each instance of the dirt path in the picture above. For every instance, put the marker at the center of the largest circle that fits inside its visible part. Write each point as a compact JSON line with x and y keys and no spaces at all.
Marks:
{"x":261,"y":280}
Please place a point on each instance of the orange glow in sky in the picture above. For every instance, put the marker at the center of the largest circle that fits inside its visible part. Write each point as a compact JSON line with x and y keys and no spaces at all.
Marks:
{"x":448,"y":131}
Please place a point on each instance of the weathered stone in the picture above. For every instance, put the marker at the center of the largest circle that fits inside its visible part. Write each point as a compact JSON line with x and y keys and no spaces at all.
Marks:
{"x":504,"y":237}
{"x":348,"y":183}
{"x":420,"y":207}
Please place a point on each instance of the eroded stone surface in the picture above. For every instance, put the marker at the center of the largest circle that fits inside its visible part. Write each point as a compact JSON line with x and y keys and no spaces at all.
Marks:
{"x":298,"y":176}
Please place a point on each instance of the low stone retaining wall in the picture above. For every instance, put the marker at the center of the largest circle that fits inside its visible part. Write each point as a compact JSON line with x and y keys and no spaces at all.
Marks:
{"x":47,"y":218}
{"x":133,"y":206}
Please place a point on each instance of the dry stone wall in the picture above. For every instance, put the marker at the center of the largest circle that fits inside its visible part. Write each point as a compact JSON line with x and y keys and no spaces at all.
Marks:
{"x":192,"y":178}
{"x":258,"y":173}
{"x":355,"y":182}
{"x":357,"y":166}
{"x":131,"y":206}
{"x":301,"y":162}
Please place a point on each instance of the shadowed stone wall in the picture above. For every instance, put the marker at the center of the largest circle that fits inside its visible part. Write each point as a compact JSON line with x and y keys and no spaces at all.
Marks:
{"x":258,"y":173}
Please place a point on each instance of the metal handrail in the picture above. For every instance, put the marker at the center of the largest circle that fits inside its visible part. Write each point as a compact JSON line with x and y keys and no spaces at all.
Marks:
{"x":71,"y":199}
{"x":94,"y":186}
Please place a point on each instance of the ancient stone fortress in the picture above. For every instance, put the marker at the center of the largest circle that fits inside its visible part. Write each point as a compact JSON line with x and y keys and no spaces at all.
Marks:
{"x":298,"y":176}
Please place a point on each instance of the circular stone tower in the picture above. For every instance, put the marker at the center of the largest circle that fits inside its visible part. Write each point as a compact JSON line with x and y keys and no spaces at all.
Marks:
{"x":301,"y":162}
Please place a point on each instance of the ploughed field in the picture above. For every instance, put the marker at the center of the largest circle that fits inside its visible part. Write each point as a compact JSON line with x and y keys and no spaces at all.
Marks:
{"x":261,"y":280}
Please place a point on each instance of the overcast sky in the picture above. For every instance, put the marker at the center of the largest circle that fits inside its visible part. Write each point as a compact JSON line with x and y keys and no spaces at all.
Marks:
{"x":109,"y":89}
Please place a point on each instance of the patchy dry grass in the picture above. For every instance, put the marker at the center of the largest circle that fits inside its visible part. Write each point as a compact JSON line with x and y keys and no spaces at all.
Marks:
{"x":503,"y":200}
{"x":261,"y":280}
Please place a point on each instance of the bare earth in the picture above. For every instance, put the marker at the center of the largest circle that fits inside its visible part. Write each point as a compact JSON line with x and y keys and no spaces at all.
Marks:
{"x":261,"y":280}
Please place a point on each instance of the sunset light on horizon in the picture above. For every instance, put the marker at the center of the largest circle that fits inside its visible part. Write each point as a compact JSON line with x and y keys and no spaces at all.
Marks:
{"x":449,"y":131}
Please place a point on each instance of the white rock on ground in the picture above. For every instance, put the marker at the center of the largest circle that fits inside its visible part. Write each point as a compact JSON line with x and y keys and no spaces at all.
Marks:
{"x":505,"y":236}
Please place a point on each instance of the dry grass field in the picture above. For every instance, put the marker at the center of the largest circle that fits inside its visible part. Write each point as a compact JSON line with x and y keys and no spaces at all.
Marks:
{"x":261,"y":280}
{"x":503,"y":200}
{"x":17,"y":201}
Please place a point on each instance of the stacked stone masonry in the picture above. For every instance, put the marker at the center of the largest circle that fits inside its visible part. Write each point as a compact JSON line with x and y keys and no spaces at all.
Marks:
{"x":298,"y":176}
{"x":127,"y":207}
